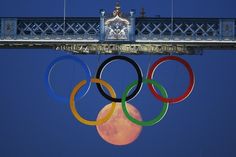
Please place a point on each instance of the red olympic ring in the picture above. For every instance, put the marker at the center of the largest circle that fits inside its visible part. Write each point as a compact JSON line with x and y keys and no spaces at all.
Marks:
{"x":191,"y":79}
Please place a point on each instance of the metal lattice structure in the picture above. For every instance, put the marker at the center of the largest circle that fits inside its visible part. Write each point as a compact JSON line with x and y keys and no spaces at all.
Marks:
{"x":183,"y":29}
{"x":119,"y":33}
{"x":49,"y":29}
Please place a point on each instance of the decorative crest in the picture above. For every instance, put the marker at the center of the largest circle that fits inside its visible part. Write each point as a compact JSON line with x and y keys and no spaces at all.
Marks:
{"x":117,"y":10}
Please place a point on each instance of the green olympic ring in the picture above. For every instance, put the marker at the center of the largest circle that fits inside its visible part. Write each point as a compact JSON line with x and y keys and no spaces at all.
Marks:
{"x":159,"y":117}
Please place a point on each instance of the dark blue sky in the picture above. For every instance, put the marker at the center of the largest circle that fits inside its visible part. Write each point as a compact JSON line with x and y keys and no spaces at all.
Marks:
{"x":34,"y":124}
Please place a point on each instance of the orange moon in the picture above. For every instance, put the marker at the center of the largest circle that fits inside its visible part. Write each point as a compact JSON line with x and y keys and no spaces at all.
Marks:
{"x":118,"y":130}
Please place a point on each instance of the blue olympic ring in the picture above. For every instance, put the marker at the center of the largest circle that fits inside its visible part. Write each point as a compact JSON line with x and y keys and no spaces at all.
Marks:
{"x":81,"y":93}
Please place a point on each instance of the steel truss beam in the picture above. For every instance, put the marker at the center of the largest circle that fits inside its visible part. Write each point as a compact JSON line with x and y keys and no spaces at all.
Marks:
{"x":151,"y":35}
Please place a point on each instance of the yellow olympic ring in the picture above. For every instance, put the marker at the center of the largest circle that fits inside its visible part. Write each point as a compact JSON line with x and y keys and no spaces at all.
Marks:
{"x":77,"y":115}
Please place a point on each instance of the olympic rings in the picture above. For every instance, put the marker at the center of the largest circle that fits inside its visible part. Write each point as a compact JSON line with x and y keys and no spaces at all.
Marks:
{"x":85,"y":84}
{"x":48,"y":72}
{"x":157,"y":118}
{"x":76,"y":114}
{"x":132,"y":62}
{"x":191,"y":82}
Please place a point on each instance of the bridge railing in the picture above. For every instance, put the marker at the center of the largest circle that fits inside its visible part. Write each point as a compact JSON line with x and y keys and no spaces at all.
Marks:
{"x":154,"y":29}
{"x":52,"y":28}
{"x":87,"y":29}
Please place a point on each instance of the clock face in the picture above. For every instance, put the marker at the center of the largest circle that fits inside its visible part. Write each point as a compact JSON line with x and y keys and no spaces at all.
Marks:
{"x":116,"y":29}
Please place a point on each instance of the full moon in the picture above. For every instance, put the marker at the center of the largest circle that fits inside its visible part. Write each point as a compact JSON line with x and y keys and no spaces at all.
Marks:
{"x":118,"y":130}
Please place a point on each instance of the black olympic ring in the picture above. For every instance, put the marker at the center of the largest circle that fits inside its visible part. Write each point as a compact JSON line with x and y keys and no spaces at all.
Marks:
{"x":132,"y":62}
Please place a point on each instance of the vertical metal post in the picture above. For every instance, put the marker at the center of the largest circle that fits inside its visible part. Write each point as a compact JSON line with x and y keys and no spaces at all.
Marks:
{"x":1,"y":28}
{"x":102,"y":25}
{"x":132,"y":26}
{"x":221,"y":30}
{"x":234,"y":29}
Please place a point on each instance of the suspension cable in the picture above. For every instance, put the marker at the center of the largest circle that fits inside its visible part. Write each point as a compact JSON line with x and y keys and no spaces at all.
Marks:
{"x":172,"y":18}
{"x":64,"y":18}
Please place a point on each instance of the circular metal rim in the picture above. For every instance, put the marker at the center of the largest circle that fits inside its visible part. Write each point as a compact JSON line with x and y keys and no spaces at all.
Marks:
{"x":74,"y":110}
{"x":48,"y":85}
{"x":155,"y":120}
{"x":129,"y":60}
{"x":191,"y":79}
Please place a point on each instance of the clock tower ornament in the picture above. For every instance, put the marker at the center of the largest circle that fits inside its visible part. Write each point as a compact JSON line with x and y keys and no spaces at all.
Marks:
{"x":117,"y":26}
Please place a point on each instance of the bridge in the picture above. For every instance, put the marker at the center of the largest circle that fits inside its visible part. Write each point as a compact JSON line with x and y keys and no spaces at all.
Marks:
{"x":119,"y":32}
